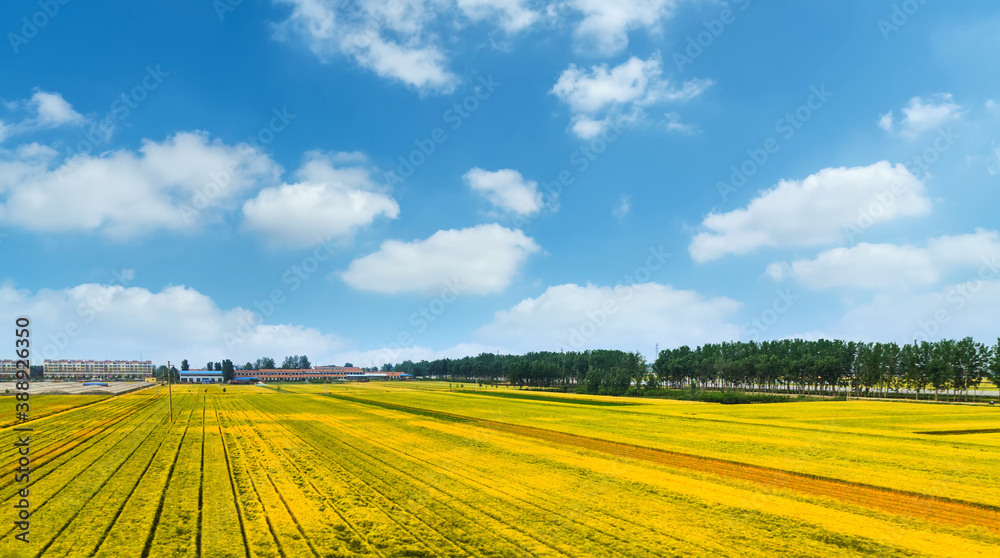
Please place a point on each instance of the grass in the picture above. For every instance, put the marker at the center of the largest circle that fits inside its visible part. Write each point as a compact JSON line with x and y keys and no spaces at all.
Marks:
{"x":414,"y":469}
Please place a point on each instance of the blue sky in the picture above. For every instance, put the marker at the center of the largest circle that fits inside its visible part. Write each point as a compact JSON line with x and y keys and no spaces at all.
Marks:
{"x":416,"y":180}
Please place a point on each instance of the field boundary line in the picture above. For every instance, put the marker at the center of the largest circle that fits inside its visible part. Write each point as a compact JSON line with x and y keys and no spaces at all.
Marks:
{"x":69,"y":522}
{"x":929,"y":506}
{"x":305,"y":477}
{"x":232,"y":484}
{"x":387,"y":514}
{"x":166,"y":488}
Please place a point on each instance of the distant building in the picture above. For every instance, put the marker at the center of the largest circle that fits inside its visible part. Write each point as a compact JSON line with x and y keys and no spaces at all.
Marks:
{"x":8,"y":369}
{"x":319,"y":373}
{"x":201,"y":376}
{"x":97,"y":369}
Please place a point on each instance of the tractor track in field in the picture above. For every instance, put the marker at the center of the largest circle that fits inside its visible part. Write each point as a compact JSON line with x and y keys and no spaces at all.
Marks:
{"x":232,"y":485}
{"x":356,"y":453}
{"x":368,"y":484}
{"x":316,"y":489}
{"x":91,"y":462}
{"x":387,"y":514}
{"x":515,"y":501}
{"x":469,"y":474}
{"x":58,"y":437}
{"x":111,"y":476}
{"x":128,"y":497}
{"x":262,"y":439}
{"x":166,"y":488}
{"x":248,"y":450}
{"x":935,"y":509}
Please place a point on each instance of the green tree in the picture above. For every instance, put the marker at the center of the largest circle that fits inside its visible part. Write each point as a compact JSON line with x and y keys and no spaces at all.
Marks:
{"x":264,"y":363}
{"x":248,"y":366}
{"x":290,"y":362}
{"x":228,"y":370}
{"x":184,"y":365}
{"x":210,"y":366}
{"x":304,"y":362}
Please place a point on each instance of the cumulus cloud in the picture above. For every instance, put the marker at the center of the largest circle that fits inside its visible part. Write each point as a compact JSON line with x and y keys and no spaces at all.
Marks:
{"x":884,"y":266}
{"x":478,"y":260}
{"x":507,"y":190}
{"x":922,"y":115}
{"x":115,"y":321}
{"x":42,"y":111}
{"x":814,"y":211}
{"x":605,"y":25}
{"x":604,"y":97}
{"x":636,"y":317}
{"x":335,"y":196}
{"x":163,"y":185}
{"x":404,"y":41}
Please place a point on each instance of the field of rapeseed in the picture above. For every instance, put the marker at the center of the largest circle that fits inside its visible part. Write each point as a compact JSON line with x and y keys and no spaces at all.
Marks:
{"x":414,"y":469}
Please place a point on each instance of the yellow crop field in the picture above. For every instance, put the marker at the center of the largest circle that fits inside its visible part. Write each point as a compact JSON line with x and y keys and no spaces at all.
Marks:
{"x":424,"y":469}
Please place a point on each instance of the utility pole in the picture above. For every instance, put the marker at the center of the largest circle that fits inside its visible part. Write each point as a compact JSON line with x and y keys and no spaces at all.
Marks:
{"x":170,"y":398}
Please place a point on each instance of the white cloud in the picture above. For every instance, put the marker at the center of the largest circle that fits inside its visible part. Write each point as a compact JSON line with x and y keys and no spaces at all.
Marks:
{"x":506,"y":189}
{"x":673,"y":123}
{"x":125,"y":193}
{"x":478,"y":260}
{"x":52,"y":110}
{"x":335,"y":196}
{"x":575,"y":317}
{"x":813,"y":211}
{"x":883,"y":266}
{"x":963,"y":309}
{"x":605,"y":25}
{"x":409,"y":40}
{"x":511,"y":15}
{"x":390,"y":39}
{"x":606,"y":97}
{"x":113,"y":321}
{"x":44,"y":111}
{"x":885,"y":121}
{"x":920,"y":115}
{"x":623,"y":207}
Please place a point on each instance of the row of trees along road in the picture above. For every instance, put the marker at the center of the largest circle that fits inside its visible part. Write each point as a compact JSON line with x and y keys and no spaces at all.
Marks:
{"x":785,"y":366}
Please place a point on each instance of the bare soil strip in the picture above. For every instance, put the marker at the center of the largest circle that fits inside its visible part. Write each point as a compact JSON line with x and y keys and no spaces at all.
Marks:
{"x":941,"y":510}
{"x":951,"y":432}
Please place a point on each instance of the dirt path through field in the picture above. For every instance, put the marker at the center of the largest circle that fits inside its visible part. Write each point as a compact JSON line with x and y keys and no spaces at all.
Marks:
{"x":952,"y":512}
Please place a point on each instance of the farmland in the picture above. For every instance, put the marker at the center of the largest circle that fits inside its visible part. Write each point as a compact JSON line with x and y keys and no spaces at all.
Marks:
{"x":415,"y":469}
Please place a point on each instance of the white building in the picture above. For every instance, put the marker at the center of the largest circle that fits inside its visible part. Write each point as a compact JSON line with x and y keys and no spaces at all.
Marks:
{"x":201,"y":376}
{"x":102,"y":369}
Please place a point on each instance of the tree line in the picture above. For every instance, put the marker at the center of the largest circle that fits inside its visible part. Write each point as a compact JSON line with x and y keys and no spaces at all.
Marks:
{"x":825,"y":367}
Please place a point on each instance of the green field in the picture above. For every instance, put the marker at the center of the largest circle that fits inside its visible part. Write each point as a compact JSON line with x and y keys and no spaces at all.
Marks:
{"x":416,"y":469}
